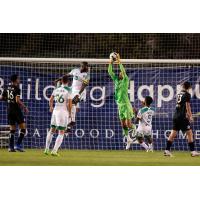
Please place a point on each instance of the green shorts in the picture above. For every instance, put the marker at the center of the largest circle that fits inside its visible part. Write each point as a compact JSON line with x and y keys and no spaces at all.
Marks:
{"x":125,"y":111}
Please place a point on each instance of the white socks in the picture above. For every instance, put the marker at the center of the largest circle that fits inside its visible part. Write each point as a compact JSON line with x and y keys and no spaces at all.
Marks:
{"x":58,"y":142}
{"x":73,"y":113}
{"x":49,"y":139}
{"x":129,"y":138}
{"x":144,"y":146}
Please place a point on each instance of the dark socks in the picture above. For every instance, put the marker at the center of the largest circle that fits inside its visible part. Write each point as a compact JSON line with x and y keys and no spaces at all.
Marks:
{"x":191,"y":145}
{"x":11,"y":139}
{"x":169,"y":144}
{"x":21,"y":136}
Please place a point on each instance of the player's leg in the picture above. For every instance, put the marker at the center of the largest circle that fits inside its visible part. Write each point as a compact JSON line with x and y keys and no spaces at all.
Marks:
{"x":11,"y":138}
{"x":72,"y":120}
{"x":149,"y":141}
{"x":49,"y":138}
{"x":140,"y":138}
{"x":22,"y":127}
{"x":11,"y":122}
{"x":176,"y":127}
{"x":19,"y":119}
{"x":61,"y":122}
{"x":191,"y":143}
{"x":52,"y":130}
{"x":148,"y":137}
{"x":59,"y":141}
{"x":187,"y":129}
{"x":170,"y":142}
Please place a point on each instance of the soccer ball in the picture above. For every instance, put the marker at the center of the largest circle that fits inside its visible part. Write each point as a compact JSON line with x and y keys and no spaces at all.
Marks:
{"x":113,"y":56}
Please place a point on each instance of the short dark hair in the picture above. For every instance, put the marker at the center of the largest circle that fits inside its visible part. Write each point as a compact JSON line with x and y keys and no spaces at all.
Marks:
{"x":14,"y":77}
{"x":187,"y":85}
{"x":148,"y":100}
{"x":84,"y":64}
{"x":65,"y":79}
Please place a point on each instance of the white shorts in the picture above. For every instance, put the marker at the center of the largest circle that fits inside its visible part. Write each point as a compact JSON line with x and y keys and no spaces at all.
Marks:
{"x":144,"y":131}
{"x":59,"y":119}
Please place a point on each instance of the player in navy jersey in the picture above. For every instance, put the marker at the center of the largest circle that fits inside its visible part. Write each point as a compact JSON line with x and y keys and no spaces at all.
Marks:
{"x":182,"y":120}
{"x":11,"y":94}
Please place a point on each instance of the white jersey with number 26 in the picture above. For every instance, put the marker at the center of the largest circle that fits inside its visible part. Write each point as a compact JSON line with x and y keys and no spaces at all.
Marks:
{"x":61,"y":96}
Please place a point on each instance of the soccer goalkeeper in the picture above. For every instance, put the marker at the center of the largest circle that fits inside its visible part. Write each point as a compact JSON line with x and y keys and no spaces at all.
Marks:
{"x":125,"y":109}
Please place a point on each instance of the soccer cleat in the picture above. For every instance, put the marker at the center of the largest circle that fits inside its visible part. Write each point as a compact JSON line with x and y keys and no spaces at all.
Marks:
{"x":195,"y":153}
{"x":55,"y":154}
{"x":150,"y":148}
{"x":129,"y":142}
{"x":167,"y":153}
{"x":46,"y":152}
{"x":11,"y":150}
{"x":19,"y":148}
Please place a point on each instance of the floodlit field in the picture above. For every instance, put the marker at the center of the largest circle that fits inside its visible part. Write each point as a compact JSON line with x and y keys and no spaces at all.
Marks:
{"x":96,"y":158}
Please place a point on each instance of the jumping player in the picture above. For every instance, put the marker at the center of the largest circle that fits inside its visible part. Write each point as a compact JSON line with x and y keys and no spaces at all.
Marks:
{"x":144,"y":130}
{"x":81,"y":79}
{"x":60,"y":115}
{"x":15,"y":115}
{"x":121,"y":84}
{"x":182,"y":120}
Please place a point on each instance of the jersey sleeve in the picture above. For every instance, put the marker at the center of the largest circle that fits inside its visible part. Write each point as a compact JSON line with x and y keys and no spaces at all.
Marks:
{"x":139,"y":115}
{"x":72,"y":72}
{"x":111,"y":73}
{"x":53,"y":93}
{"x":4,"y":94}
{"x":187,"y":97}
{"x":17,"y":91}
{"x":122,"y":69}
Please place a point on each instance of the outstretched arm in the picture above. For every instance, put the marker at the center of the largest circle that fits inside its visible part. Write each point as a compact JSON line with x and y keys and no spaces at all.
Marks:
{"x":110,"y":71}
{"x":122,"y":69}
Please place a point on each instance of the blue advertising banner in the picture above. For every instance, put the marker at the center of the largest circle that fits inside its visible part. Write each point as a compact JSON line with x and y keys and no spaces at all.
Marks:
{"x":98,"y":126}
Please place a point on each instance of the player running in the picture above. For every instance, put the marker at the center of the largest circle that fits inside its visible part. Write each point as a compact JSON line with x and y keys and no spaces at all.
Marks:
{"x":81,"y":77}
{"x":144,"y":130}
{"x":121,"y":84}
{"x":182,"y":120}
{"x":15,"y":115}
{"x":60,"y":116}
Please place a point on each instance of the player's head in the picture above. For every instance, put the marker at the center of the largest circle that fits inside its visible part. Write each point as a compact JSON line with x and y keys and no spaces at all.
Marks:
{"x":186,"y":85}
{"x":65,"y":79}
{"x":148,"y":100}
{"x":15,"y":79}
{"x":84,"y":67}
{"x":120,"y":76}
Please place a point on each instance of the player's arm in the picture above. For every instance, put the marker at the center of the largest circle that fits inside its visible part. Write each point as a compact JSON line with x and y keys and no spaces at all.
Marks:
{"x":69,"y":106}
{"x":188,"y":108}
{"x":121,"y":67}
{"x":189,"y":111}
{"x":139,"y":117}
{"x":4,"y":95}
{"x":21,"y":104}
{"x":51,"y":103}
{"x":110,"y":70}
{"x":85,"y":82}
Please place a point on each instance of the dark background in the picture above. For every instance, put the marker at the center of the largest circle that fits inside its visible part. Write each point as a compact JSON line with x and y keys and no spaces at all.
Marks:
{"x":99,"y":45}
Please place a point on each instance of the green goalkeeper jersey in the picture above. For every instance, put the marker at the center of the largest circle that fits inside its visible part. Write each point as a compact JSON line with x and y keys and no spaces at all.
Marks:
{"x":121,"y":86}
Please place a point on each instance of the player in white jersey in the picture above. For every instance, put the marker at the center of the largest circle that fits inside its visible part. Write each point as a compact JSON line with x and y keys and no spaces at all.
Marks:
{"x":60,"y":115}
{"x":80,"y":81}
{"x":144,"y":130}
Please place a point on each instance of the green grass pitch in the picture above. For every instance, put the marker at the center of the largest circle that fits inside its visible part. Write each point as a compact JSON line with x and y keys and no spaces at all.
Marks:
{"x":35,"y":157}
